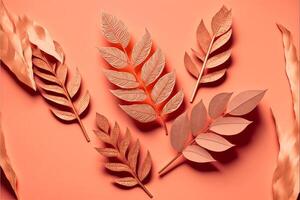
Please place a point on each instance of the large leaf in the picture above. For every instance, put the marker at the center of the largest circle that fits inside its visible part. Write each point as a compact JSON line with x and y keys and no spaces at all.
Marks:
{"x":221,"y":22}
{"x":203,"y":36}
{"x":229,"y":125}
{"x":179,"y":132}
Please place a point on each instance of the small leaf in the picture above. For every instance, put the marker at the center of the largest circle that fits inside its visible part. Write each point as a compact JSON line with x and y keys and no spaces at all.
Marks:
{"x":197,"y":154}
{"x":218,"y":104}
{"x":218,"y":59}
{"x":47,"y":77}
{"x":50,"y":88}
{"x":122,"y":79}
{"x":245,"y":102}
{"x":132,"y":95}
{"x":114,"y":30}
{"x":190,"y":65}
{"x":114,"y":56}
{"x":61,"y":73}
{"x":198,"y":118}
{"x":213,"y":76}
{"x":108,"y":152}
{"x":102,"y":122}
{"x":74,"y":84}
{"x":104,"y":137}
{"x":229,"y":125}
{"x":163,"y":88}
{"x":124,"y":143}
{"x":83,"y":102}
{"x":221,"y":22}
{"x":114,"y":135}
{"x":127,"y":181}
{"x":199,"y":54}
{"x":221,"y":41}
{"x":140,"y":112}
{"x":133,"y":155}
{"x":145,"y":168}
{"x":174,"y":103}
{"x":203,"y":36}
{"x":56,"y":99}
{"x":213,"y":142}
{"x":41,"y":64}
{"x":153,"y":67}
{"x":63,"y":115}
{"x":117,"y":167}
{"x":179,"y":132}
{"x":141,"y":49}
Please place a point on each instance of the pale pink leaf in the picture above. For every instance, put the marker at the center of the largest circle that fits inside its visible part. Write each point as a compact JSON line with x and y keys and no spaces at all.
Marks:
{"x":122,"y":79}
{"x":174,"y":103}
{"x":114,"y":56}
{"x":203,"y":36}
{"x":190,"y":65}
{"x":179,"y":132}
{"x":221,"y":22}
{"x":198,"y":118}
{"x":141,"y":49}
{"x":141,"y":112}
{"x":213,"y":142}
{"x":163,"y":88}
{"x":221,"y":41}
{"x":132,"y":95}
{"x":229,"y":125}
{"x":213,"y":76}
{"x":218,"y":59}
{"x":218,"y":104}
{"x":197,"y":154}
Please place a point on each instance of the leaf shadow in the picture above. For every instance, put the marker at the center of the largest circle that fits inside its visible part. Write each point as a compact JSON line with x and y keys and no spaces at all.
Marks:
{"x":4,"y":182}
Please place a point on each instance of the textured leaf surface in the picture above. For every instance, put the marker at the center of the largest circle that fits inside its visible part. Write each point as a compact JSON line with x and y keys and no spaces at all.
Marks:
{"x":130,"y":95}
{"x":218,"y":59}
{"x":179,"y":132}
{"x":63,"y":115}
{"x":222,"y":21}
{"x":140,"y":112}
{"x":145,"y":168}
{"x":114,"y":57}
{"x":122,"y":79}
{"x":127,"y":181}
{"x":163,"y":88}
{"x":174,"y":103}
{"x":141,"y":49}
{"x":229,"y":125}
{"x":213,"y":142}
{"x":102,"y":122}
{"x":198,"y":118}
{"x":213,"y":76}
{"x":197,"y":154}
{"x":190,"y":65}
{"x":203,"y":36}
{"x":218,"y":104}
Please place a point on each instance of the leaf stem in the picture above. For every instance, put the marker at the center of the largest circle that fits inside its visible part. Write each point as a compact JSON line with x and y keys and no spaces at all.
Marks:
{"x":141,"y":83}
{"x":175,"y":158}
{"x":145,"y":189}
{"x":202,"y":70}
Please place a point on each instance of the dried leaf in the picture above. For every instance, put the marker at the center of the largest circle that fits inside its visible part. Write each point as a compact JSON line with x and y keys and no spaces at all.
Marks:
{"x":221,"y":41}
{"x":245,"y":102}
{"x":5,"y":163}
{"x":190,"y":65}
{"x":198,"y":118}
{"x":133,"y":155}
{"x":203,"y":37}
{"x":63,"y":115}
{"x":134,"y":81}
{"x":51,"y":88}
{"x":47,"y":77}
{"x":41,"y":64}
{"x":218,"y":59}
{"x":118,"y":148}
{"x":141,"y":49}
{"x":108,"y":152}
{"x":174,"y":103}
{"x":229,"y":125}
{"x":179,"y":132}
{"x":74,"y":84}
{"x":56,"y":99}
{"x":286,"y":175}
{"x":83,"y":102}
{"x":127,"y":181}
{"x":197,"y":154}
{"x":124,"y":143}
{"x":213,"y":142}
{"x":218,"y":104}
{"x":153,"y":67}
{"x":61,"y":73}
{"x":114,"y":56}
{"x":221,"y":22}
{"x":121,"y":79}
{"x":140,"y":112}
{"x":145,"y":167}
{"x":221,"y":27}
{"x":114,"y":30}
{"x":117,"y":167}
{"x":133,"y":95}
{"x":163,"y":88}
{"x":213,"y":76}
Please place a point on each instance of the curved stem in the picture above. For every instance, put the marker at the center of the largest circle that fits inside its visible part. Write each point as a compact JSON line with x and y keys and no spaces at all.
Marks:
{"x":202,"y":70}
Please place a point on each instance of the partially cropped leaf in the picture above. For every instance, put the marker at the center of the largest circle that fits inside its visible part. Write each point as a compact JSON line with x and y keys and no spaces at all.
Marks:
{"x":140,"y":112}
{"x":245,"y":102}
{"x":229,"y":125}
{"x":163,"y":88}
{"x":121,"y":79}
{"x":213,"y":142}
{"x":133,"y":95}
{"x":153,"y":67}
{"x":218,"y":104}
{"x":197,"y":154}
{"x":123,"y":161}
{"x":198,"y":118}
{"x":114,"y":30}
{"x":141,"y":50}
{"x":174,"y":103}
{"x":179,"y":132}
{"x":114,"y":56}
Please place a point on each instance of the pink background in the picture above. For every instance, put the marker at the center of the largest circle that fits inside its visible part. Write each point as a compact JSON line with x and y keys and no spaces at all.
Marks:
{"x":53,"y":160}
